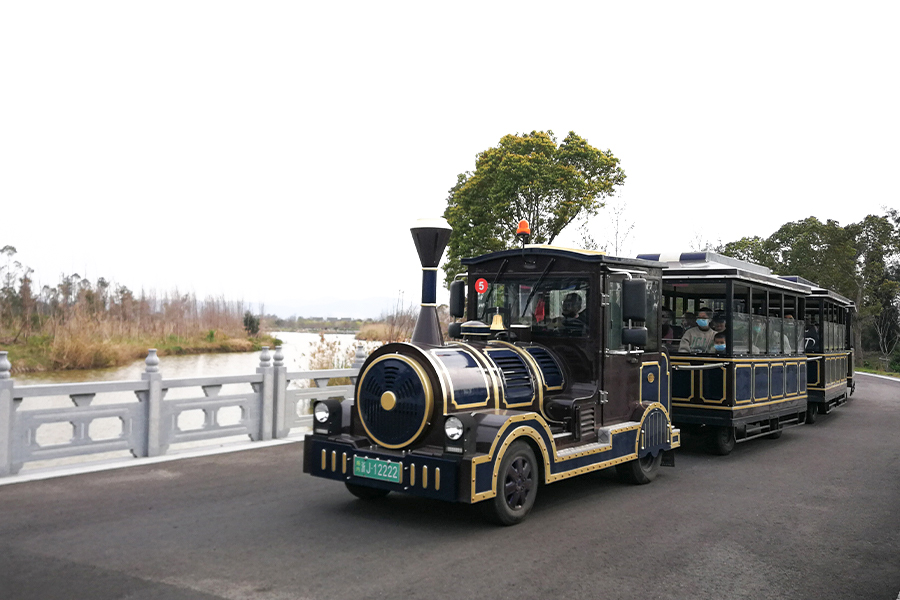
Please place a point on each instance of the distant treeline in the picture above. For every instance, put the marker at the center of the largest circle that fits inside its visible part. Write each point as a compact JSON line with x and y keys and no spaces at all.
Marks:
{"x":314,"y":324}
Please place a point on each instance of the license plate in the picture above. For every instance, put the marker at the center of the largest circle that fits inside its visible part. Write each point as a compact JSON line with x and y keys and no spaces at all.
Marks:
{"x":374,"y":468}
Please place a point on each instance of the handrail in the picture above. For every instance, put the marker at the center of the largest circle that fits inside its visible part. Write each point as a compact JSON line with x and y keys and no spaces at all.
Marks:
{"x":699,"y":367}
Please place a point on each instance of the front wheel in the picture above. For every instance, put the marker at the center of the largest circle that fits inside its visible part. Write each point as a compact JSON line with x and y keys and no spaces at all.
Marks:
{"x":366,"y":493}
{"x":722,"y":440}
{"x":517,"y":485}
{"x":641,"y":470}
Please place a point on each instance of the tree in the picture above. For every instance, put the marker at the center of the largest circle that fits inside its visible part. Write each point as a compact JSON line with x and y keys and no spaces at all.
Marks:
{"x":251,"y":323}
{"x":526,"y":177}
{"x":857,"y":261}
{"x":751,"y":249}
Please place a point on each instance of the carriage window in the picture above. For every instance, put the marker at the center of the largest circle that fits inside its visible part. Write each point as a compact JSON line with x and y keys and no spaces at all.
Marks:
{"x":614,"y":337}
{"x":813,"y":331}
{"x":689,"y":297}
{"x":741,"y":319}
{"x":653,"y":299}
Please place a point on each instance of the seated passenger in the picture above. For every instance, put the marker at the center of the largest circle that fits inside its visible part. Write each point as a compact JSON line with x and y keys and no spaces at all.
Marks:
{"x":688,"y":320}
{"x":670,"y":333}
{"x":699,"y":338}
{"x":719,"y":343}
{"x":811,"y":335}
{"x":718,"y":324}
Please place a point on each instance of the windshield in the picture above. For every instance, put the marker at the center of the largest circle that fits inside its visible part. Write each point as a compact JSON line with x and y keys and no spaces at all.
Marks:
{"x":553,"y":306}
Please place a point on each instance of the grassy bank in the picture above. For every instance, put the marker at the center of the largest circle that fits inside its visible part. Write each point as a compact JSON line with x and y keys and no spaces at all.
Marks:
{"x":46,"y":353}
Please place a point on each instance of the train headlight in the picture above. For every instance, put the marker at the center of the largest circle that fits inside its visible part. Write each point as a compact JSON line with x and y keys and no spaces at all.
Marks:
{"x":321,"y":412}
{"x":328,"y":417}
{"x":453,"y":428}
{"x":459,"y":433}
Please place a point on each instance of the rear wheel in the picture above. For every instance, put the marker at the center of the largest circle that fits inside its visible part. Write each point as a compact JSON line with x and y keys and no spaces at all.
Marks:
{"x":641,"y":470}
{"x":366,"y":493}
{"x":517,"y":485}
{"x":722,"y":440}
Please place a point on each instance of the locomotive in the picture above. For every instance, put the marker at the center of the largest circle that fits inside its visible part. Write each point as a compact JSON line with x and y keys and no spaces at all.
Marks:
{"x":557,"y":370}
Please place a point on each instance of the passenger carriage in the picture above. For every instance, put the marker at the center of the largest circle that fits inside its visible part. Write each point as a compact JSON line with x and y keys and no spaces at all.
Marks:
{"x":757,"y":386}
{"x":828,"y":339}
{"x":557,"y":371}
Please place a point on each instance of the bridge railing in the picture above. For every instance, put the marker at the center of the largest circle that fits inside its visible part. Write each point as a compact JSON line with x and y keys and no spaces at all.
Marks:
{"x":153,"y":416}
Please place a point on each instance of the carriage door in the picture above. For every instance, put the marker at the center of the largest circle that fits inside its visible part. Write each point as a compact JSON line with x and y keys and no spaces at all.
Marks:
{"x":621,"y":370}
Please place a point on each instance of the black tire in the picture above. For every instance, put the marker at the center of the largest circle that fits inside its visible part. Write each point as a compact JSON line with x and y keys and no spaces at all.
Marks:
{"x":775,"y":434}
{"x":640,"y":470}
{"x":721,"y":440}
{"x":517,"y":485}
{"x":812,"y":413}
{"x":364,"y":492}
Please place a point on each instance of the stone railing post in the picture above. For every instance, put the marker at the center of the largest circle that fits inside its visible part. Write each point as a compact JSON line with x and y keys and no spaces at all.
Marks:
{"x":153,"y":398}
{"x":7,"y":417}
{"x":358,"y":359}
{"x":279,"y":429}
{"x":266,"y":395}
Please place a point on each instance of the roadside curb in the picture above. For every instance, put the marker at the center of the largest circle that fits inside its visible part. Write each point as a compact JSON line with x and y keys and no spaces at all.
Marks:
{"x":897,"y":379}
{"x":53,"y":472}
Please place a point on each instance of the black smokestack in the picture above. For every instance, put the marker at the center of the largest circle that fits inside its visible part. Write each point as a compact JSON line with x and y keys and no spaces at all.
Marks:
{"x":431,"y":237}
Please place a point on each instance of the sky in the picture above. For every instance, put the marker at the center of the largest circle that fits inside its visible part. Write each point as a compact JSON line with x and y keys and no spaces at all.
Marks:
{"x":277,"y":153}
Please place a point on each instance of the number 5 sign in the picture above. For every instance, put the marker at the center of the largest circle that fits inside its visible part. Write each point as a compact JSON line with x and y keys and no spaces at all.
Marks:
{"x":481,"y":285}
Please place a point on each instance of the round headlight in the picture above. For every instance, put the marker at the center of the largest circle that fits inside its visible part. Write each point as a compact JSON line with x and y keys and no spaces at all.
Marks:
{"x":453,"y":428}
{"x":321,"y":412}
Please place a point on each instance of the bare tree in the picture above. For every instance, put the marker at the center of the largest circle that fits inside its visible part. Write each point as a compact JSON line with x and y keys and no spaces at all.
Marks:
{"x":888,"y":330}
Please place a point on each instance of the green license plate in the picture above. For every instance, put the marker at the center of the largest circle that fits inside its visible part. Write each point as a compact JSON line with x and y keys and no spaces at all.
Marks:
{"x":374,"y":468}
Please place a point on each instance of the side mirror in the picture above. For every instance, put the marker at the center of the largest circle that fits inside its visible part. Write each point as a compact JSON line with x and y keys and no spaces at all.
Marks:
{"x":634,"y":300}
{"x":458,"y":298}
{"x":634,"y":336}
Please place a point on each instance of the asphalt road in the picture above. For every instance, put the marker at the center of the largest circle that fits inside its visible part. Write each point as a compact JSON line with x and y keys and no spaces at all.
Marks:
{"x":815,"y":514}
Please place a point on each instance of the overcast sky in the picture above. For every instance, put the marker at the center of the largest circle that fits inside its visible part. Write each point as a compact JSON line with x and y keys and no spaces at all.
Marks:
{"x":278,"y":152}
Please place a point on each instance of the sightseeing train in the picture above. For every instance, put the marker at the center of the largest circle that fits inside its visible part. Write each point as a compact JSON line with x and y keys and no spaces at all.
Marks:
{"x":559,"y":365}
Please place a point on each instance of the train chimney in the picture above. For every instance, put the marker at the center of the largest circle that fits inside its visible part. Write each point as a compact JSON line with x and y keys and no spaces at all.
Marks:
{"x":431,"y":237}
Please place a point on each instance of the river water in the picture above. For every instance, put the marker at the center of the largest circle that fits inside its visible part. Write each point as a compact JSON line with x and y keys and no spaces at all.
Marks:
{"x":296,"y":347}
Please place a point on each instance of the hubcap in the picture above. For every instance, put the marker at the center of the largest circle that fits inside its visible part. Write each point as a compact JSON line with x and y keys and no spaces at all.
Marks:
{"x":518,"y":483}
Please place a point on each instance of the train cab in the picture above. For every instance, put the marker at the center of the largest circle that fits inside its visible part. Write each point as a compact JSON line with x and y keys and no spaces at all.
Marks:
{"x":740,"y":371}
{"x":828,"y":340}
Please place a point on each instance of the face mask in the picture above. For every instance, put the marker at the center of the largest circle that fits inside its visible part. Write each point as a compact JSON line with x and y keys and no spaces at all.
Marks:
{"x":702,"y":322}
{"x":720,"y":347}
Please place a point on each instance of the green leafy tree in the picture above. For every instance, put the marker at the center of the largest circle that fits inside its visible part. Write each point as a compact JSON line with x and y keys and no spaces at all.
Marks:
{"x":251,"y":323}
{"x":751,"y":249}
{"x":529,"y":177}
{"x":858,"y":261}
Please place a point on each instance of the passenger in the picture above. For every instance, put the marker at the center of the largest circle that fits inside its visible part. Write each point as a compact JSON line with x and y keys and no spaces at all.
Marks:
{"x":718,"y":324}
{"x":811,"y":334}
{"x":719,"y":344}
{"x":699,"y":338}
{"x":670,"y":333}
{"x":688,"y":321}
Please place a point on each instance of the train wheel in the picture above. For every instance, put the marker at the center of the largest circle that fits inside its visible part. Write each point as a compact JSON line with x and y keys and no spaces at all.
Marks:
{"x":366,"y":493}
{"x":517,"y":485}
{"x":812,"y":413}
{"x":722,"y":440}
{"x":641,"y":470}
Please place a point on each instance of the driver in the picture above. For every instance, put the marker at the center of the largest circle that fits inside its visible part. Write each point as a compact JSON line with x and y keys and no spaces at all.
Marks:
{"x":574,"y":320}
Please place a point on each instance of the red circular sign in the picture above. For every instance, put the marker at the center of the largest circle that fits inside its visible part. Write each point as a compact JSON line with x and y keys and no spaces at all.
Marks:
{"x":481,"y":285}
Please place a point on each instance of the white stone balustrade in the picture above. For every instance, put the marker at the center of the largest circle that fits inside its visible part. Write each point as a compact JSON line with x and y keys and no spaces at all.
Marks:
{"x":258,"y":406}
